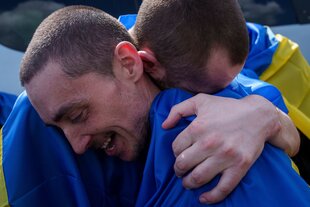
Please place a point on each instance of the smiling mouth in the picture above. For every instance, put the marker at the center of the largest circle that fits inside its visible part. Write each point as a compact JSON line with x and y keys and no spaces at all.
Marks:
{"x":108,"y":146}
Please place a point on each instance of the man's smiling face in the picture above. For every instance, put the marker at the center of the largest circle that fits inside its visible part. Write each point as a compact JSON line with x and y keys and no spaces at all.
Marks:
{"x":94,"y":111}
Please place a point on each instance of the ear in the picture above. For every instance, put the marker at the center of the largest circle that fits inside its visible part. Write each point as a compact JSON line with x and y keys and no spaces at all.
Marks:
{"x":151,"y":65}
{"x":128,"y":62}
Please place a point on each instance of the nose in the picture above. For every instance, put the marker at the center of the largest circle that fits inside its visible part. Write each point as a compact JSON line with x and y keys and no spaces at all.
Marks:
{"x":79,"y":143}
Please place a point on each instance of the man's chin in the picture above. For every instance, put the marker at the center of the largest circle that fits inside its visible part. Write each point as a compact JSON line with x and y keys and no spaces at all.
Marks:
{"x":133,"y":155}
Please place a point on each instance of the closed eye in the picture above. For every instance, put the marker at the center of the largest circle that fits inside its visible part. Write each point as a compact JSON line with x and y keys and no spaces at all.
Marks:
{"x":79,"y":117}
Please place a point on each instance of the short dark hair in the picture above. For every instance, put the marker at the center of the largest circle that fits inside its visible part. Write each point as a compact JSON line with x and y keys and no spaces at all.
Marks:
{"x":182,"y":33}
{"x":79,"y":38}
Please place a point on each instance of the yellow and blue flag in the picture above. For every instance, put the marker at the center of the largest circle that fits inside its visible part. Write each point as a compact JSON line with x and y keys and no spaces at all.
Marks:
{"x":279,"y":61}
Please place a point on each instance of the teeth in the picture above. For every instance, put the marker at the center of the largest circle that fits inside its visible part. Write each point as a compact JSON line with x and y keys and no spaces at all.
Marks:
{"x":106,"y":143}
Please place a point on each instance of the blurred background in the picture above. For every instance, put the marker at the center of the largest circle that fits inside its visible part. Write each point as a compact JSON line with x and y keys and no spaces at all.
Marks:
{"x":19,"y":19}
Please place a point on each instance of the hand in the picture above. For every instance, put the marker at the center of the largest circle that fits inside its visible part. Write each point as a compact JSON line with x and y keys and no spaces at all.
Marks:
{"x":226,"y":138}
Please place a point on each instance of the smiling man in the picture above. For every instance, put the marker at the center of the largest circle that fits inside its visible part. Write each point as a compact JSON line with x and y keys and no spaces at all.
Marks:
{"x":116,"y":120}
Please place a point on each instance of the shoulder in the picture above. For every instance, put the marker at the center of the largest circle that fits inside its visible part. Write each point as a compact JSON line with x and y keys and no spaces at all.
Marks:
{"x":160,"y":110}
{"x":266,"y":90}
{"x":166,"y":99}
{"x":243,"y":86}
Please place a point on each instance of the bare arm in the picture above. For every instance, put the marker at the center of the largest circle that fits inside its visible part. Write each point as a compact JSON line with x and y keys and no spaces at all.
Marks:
{"x":227,"y":137}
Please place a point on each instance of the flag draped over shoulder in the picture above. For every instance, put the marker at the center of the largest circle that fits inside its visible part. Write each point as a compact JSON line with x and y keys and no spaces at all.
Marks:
{"x":279,"y":61}
{"x":39,"y":168}
{"x":290,"y":73}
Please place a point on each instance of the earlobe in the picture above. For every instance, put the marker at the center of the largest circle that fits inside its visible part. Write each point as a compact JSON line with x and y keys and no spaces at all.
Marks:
{"x":127,"y":56}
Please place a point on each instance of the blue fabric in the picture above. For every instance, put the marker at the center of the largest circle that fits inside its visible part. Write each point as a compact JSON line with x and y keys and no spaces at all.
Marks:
{"x":242,"y":86}
{"x":41,"y":169}
{"x":270,"y":182}
{"x":6,"y":104}
{"x":128,"y":20}
{"x":263,"y":45}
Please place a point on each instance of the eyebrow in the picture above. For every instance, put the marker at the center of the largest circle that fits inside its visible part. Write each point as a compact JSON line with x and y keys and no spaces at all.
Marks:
{"x":65,"y":109}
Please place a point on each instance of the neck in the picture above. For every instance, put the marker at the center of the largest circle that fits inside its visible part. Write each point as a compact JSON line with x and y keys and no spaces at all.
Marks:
{"x":151,"y":90}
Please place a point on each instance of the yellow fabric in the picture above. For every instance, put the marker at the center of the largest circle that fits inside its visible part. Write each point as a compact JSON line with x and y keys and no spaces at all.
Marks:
{"x":290,"y":73}
{"x":4,"y":202}
{"x":294,"y":166}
